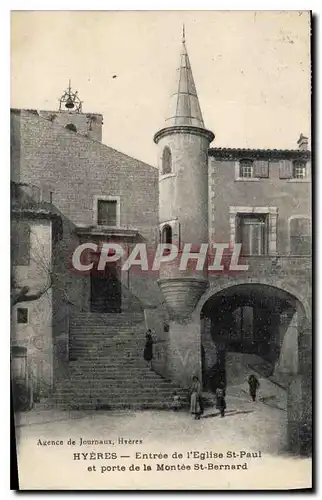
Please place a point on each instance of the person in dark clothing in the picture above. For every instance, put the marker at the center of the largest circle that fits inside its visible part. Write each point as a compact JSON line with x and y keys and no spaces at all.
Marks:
{"x":253,"y":386}
{"x":148,"y":349}
{"x":195,"y":393}
{"x":201,"y":404}
{"x":220,"y":401}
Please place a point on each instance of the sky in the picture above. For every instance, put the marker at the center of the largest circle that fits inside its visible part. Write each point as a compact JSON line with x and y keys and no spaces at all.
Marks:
{"x":251,"y":70}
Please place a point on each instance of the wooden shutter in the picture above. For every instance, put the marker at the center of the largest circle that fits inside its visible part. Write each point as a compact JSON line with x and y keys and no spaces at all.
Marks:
{"x":261,"y":168}
{"x":20,"y":243}
{"x":286,"y":169}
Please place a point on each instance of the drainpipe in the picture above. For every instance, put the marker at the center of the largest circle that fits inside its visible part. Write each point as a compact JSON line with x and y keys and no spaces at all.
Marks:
{"x":128,"y":272}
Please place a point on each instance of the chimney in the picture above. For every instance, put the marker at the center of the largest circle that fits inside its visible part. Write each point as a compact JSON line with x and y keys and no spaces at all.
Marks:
{"x":303,"y":143}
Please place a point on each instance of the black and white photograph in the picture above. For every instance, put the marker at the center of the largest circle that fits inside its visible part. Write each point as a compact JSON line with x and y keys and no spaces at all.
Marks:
{"x":161,"y":249}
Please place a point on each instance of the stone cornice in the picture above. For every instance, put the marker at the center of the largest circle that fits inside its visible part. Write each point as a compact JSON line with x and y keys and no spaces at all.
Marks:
{"x":183,"y":129}
{"x":239,"y":153}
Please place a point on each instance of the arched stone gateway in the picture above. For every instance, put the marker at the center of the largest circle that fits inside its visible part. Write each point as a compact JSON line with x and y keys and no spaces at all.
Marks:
{"x":256,"y":327}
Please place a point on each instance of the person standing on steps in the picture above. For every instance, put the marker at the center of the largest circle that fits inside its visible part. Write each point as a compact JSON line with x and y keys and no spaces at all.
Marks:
{"x":148,"y":349}
{"x":253,"y":386}
{"x":195,"y":396}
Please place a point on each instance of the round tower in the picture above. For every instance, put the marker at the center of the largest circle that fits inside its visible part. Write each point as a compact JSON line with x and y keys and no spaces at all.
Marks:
{"x":183,"y":190}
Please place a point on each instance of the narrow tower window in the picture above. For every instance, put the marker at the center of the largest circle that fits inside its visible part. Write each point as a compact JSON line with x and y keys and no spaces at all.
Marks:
{"x":166,"y":161}
{"x":166,"y":234}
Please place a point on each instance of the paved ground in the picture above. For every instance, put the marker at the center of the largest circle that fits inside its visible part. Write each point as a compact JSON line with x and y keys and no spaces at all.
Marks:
{"x":247,"y":426}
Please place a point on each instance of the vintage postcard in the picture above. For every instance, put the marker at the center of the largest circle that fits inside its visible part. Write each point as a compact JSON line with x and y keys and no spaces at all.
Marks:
{"x":161,"y":249}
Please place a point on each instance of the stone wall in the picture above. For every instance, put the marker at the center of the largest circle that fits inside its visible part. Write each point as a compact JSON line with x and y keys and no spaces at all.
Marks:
{"x":36,"y":334}
{"x":76,"y":170}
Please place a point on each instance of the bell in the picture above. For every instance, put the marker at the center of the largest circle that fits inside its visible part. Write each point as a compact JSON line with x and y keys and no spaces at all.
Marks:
{"x":69,"y":103}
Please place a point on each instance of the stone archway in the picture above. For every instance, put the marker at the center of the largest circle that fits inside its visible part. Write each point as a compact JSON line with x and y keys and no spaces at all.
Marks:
{"x":259,"y":326}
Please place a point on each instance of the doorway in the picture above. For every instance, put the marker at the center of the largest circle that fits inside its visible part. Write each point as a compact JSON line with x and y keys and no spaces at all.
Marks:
{"x":106,"y":290}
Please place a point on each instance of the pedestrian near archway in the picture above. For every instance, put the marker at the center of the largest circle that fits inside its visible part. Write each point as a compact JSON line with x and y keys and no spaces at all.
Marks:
{"x":195,"y":398}
{"x":253,"y":386}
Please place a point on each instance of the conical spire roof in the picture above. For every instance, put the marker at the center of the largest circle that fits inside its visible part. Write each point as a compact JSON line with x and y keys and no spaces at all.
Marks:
{"x":184,"y":106}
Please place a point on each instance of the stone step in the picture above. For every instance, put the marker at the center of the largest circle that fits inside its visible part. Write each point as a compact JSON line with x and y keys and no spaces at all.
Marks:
{"x":92,"y":405}
{"x":115,"y":395}
{"x":108,"y":365}
{"x":117,"y":344}
{"x":136,"y":380}
{"x":121,"y":370}
{"x":105,"y":333}
{"x":104,"y":383}
{"x":101,"y":326}
{"x":107,"y":321}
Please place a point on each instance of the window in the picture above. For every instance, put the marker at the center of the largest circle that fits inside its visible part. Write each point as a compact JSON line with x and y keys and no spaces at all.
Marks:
{"x":252,"y":233}
{"x":246,"y":168}
{"x":299,"y":170}
{"x":300,"y":236}
{"x":20,"y":243}
{"x":166,"y":235}
{"x":107,"y":212}
{"x":22,"y":315}
{"x":19,"y":363}
{"x":71,"y":127}
{"x":166,"y":161}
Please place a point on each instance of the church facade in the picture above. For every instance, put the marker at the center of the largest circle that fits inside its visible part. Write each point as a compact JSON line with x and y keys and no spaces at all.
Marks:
{"x":80,"y":343}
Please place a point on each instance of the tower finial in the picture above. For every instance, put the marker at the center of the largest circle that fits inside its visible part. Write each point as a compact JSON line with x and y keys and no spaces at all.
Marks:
{"x":183,"y":34}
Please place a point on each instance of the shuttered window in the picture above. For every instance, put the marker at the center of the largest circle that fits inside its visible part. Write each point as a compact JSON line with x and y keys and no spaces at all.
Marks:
{"x":107,"y":212}
{"x":286,"y":169}
{"x":256,"y":168}
{"x":261,"y":169}
{"x":300,"y":236}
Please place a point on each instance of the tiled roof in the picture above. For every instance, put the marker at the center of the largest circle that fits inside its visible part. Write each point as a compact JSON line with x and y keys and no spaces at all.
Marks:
{"x":258,"y":152}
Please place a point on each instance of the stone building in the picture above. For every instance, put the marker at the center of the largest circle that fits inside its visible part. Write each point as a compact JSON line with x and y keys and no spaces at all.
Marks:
{"x":213,"y":324}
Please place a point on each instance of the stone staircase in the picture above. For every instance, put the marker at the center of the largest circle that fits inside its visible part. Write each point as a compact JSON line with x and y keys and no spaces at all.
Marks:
{"x":107,"y":369}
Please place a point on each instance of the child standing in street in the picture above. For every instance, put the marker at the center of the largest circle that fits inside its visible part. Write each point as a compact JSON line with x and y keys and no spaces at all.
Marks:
{"x":176,"y":403}
{"x":220,"y":401}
